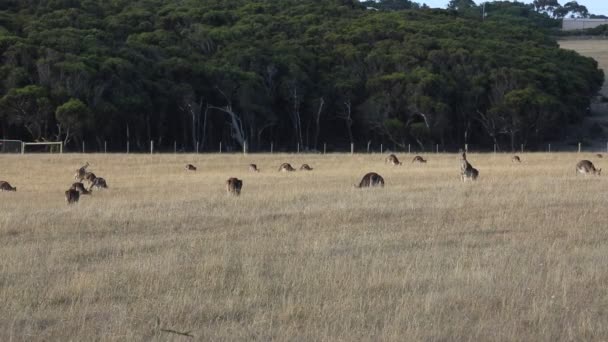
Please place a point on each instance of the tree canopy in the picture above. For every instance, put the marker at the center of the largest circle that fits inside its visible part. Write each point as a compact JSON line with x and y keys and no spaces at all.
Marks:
{"x":289,"y":72}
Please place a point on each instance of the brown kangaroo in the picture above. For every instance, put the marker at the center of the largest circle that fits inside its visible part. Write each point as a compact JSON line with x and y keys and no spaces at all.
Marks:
{"x":286,"y":167}
{"x":5,"y":186}
{"x":253,"y":168}
{"x":516,"y":159}
{"x":80,"y":173}
{"x":233,"y":186}
{"x":89,"y":177}
{"x":80,"y":188}
{"x":305,"y":167}
{"x":418,"y":159}
{"x":190,"y":167}
{"x":98,"y":183}
{"x":392,"y":159}
{"x":72,"y":196}
{"x":371,"y":179}
{"x":599,"y":155}
{"x":587,"y":167}
{"x":467,"y":171}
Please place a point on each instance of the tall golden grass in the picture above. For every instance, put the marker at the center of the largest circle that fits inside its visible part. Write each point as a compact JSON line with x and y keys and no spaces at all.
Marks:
{"x":519,"y":255}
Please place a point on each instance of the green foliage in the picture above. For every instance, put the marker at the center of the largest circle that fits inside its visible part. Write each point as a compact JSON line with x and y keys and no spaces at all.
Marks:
{"x":286,"y":72}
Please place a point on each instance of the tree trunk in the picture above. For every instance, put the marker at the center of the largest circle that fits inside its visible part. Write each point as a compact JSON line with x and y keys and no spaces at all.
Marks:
{"x":318,"y":121}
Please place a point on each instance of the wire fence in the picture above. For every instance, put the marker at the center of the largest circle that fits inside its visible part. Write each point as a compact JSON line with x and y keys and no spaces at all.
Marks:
{"x":352,"y":148}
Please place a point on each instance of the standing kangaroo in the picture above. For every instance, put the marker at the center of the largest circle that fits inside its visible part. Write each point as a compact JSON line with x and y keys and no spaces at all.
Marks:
{"x":72,"y":196}
{"x":286,"y":167}
{"x":587,"y":167}
{"x":467,"y":171}
{"x":418,"y":159}
{"x":392,"y":159}
{"x":234,"y":186}
{"x":5,"y":186}
{"x":371,"y":179}
{"x":80,"y":173}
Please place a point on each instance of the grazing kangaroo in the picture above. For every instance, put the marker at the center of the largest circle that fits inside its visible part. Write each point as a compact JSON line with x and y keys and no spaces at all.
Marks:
{"x":305,"y":167}
{"x":98,"y":183}
{"x":371,"y":179}
{"x":392,"y":159}
{"x":233,"y":186}
{"x":599,"y":155}
{"x":418,"y":159}
{"x":72,"y":196}
{"x":467,"y":171}
{"x":5,"y":186}
{"x":80,"y":173}
{"x":587,"y":167}
{"x":253,"y":168}
{"x":286,"y":167}
{"x":515,"y":159}
{"x":190,"y":167}
{"x":80,"y":188}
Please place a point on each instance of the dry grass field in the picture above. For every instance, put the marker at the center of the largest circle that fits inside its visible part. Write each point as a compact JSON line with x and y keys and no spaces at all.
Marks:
{"x":594,"y":48}
{"x":519,"y":255}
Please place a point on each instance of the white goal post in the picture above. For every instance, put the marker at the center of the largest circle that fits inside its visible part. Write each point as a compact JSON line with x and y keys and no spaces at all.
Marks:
{"x":51,"y":143}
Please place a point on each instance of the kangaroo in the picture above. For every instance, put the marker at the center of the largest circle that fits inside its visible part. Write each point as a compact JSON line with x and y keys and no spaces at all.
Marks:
{"x":190,"y":167}
{"x":371,"y":179}
{"x":89,"y":177}
{"x":80,"y":188}
{"x":233,"y":186}
{"x":599,"y":155}
{"x":467,"y":171}
{"x":98,"y":183}
{"x":253,"y":168}
{"x":305,"y":167}
{"x":587,"y":167}
{"x":418,"y":159}
{"x":392,"y":159}
{"x":80,"y":173}
{"x":72,"y":196}
{"x":286,"y":167}
{"x":5,"y":186}
{"x":515,"y":159}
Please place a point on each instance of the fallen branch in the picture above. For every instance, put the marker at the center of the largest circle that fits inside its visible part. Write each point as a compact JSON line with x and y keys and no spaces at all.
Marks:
{"x":177,"y":332}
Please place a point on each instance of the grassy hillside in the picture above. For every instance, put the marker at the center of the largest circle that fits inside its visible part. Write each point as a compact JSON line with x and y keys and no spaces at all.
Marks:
{"x":522,"y":254}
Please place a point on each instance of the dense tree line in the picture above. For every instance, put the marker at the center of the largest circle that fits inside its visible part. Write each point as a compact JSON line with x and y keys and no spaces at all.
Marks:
{"x":289,"y":72}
